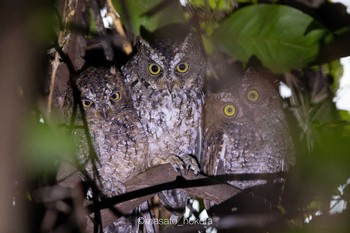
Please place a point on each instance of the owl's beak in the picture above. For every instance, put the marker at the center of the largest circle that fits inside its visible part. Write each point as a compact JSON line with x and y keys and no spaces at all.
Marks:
{"x":103,"y":113}
{"x":170,"y":86}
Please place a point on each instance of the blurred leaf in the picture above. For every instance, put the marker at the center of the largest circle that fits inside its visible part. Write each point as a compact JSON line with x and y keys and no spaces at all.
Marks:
{"x":216,"y":5}
{"x":198,"y":3}
{"x":43,"y":23}
{"x":336,"y":47}
{"x":150,"y":14}
{"x":335,"y":70}
{"x":344,"y":115}
{"x":44,"y":146}
{"x":93,"y":26}
{"x":281,"y":37}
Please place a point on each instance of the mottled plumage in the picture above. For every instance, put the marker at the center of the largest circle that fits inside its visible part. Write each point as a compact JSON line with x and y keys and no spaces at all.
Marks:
{"x":246,"y":131}
{"x":116,"y":134}
{"x":165,"y":79}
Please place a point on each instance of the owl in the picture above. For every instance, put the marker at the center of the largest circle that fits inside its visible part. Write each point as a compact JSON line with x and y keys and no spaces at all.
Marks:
{"x":246,"y":131}
{"x":166,"y":79}
{"x":116,"y":134}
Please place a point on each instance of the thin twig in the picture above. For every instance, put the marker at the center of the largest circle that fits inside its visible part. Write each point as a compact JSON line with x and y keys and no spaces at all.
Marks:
{"x":55,"y":65}
{"x":111,"y":12}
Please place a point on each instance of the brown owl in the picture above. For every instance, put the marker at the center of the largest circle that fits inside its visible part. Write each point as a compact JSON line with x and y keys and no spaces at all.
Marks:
{"x":165,"y":79}
{"x":116,"y":134}
{"x":246,"y":131}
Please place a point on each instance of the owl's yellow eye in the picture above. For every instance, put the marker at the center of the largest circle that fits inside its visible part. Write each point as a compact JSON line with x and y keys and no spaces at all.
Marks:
{"x":229,"y":110}
{"x":253,"y":95}
{"x":115,"y":96}
{"x":182,"y":67}
{"x":154,"y":69}
{"x":86,"y":103}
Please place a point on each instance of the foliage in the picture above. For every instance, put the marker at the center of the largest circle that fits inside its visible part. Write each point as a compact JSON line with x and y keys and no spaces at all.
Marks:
{"x":44,"y":145}
{"x":149,"y":14}
{"x":282,"y":38}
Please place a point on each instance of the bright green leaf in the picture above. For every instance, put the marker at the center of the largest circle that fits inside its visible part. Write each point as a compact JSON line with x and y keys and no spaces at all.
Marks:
{"x":281,"y":37}
{"x":335,"y":70}
{"x":149,"y":14}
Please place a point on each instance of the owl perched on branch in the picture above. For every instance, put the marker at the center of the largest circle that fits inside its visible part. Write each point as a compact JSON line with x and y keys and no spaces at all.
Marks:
{"x":116,"y":134}
{"x":246,"y":132}
{"x":165,"y":79}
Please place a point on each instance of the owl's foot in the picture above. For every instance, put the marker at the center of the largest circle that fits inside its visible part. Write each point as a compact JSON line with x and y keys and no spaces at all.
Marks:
{"x":114,"y":188}
{"x":190,"y":164}
{"x":181,"y":164}
{"x":120,"y":188}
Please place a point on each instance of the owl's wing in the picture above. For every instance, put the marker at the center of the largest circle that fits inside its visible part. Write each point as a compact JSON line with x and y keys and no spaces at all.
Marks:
{"x":199,"y":142}
{"x":291,"y":158}
{"x":213,"y":161}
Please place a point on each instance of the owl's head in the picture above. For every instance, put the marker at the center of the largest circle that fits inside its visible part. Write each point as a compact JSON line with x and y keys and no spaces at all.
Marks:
{"x":103,"y":93}
{"x":259,"y":90}
{"x":247,"y":99}
{"x":222,"y":108}
{"x":167,"y":64}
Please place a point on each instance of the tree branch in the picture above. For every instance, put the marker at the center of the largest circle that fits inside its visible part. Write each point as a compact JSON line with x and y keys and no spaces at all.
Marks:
{"x":147,"y":184}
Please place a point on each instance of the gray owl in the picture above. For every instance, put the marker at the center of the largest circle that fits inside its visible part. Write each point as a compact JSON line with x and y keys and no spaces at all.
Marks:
{"x":116,"y":134}
{"x":246,"y":131}
{"x":166,"y":79}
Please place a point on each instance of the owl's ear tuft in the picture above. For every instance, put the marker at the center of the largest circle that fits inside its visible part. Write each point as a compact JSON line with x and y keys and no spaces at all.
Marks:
{"x":113,"y":70}
{"x":250,"y":72}
{"x":188,"y":42}
{"x":141,"y":43}
{"x":82,"y":78}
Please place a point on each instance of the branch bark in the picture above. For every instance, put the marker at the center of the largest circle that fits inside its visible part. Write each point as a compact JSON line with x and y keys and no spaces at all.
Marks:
{"x":147,"y":184}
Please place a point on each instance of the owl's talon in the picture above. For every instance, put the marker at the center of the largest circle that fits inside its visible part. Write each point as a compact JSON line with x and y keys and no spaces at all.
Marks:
{"x":178,"y":169}
{"x":191,"y":164}
{"x":121,"y":188}
{"x":196,"y":172}
{"x":181,"y":164}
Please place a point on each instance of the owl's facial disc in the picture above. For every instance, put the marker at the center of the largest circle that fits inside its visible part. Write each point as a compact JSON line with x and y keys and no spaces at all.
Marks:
{"x":104,"y":112}
{"x":170,"y":85}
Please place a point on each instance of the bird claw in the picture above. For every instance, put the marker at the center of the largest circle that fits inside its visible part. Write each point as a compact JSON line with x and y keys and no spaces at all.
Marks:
{"x":190,"y":163}
{"x":184,"y":164}
{"x":117,"y":189}
{"x":121,"y":188}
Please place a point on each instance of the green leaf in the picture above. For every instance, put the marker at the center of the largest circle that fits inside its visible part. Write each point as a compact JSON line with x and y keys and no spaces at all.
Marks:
{"x":335,"y":70}
{"x":222,"y":4}
{"x":43,"y":146}
{"x":152,"y":14}
{"x":281,"y":37}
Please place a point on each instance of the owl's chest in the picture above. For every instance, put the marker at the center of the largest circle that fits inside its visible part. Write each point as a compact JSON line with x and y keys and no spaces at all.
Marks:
{"x":117,"y":139}
{"x":245,"y":149}
{"x":172,"y":120}
{"x":254,"y":148}
{"x":174,"y":111}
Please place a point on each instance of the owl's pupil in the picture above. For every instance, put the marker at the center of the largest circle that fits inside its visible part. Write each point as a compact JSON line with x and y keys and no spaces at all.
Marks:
{"x":114,"y":96}
{"x":229,"y":110}
{"x":182,"y":67}
{"x":252,"y":96}
{"x":154,"y":68}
